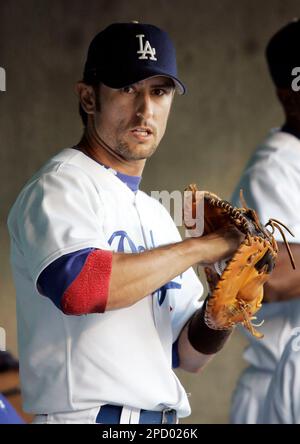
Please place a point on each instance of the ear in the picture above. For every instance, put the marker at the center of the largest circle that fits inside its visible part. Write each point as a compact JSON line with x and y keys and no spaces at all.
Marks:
{"x":86,"y":95}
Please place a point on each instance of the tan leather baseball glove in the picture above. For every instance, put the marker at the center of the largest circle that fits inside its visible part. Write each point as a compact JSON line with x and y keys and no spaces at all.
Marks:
{"x":236,"y":284}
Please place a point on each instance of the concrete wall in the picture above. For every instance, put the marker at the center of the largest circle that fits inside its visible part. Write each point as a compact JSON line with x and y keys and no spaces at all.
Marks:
{"x":212,"y":130}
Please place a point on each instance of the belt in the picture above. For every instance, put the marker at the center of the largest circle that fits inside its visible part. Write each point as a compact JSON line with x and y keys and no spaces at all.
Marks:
{"x":111,"y":414}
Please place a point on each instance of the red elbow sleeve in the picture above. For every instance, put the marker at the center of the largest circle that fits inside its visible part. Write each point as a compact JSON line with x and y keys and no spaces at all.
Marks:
{"x":88,"y":293}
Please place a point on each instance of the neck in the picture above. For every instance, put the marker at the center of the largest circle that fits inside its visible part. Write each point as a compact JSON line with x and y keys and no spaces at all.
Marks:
{"x":99,"y":151}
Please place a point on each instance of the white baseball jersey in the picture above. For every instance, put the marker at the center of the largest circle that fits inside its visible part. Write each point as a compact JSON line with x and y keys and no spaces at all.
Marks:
{"x":282,"y":403}
{"x":271,"y":184}
{"x":123,"y":356}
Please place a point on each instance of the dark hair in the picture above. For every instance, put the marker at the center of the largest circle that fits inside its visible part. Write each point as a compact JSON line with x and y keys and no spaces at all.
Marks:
{"x":82,"y":113}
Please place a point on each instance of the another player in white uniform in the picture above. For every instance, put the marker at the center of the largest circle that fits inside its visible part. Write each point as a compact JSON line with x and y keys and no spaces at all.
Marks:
{"x":282,"y":403}
{"x":271,"y":184}
{"x":107,"y":301}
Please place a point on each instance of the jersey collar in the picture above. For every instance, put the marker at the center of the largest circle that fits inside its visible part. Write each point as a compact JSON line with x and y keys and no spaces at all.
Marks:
{"x":133,"y":182}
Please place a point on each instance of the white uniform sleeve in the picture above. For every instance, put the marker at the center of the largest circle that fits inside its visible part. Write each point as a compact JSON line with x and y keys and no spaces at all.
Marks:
{"x":58,"y":214}
{"x":282,"y":404}
{"x":273,"y":191}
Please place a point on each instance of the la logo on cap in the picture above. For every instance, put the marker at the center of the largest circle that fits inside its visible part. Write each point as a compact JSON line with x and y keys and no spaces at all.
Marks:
{"x":145,"y":49}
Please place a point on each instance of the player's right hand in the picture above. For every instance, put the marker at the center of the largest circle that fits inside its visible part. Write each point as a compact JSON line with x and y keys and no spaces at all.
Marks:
{"x":219,"y":245}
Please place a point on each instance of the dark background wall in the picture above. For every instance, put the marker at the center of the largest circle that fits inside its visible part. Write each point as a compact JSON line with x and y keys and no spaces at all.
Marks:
{"x":212,"y":131}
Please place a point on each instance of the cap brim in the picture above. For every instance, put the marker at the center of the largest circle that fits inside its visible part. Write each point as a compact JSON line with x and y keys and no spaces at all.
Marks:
{"x":143,"y":75}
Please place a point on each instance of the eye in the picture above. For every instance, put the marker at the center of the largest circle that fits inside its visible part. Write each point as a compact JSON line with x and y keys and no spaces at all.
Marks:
{"x":159,"y":92}
{"x":128,"y":89}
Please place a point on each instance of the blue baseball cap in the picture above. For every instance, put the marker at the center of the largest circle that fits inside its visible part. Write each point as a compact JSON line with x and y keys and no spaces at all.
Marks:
{"x":126,"y":53}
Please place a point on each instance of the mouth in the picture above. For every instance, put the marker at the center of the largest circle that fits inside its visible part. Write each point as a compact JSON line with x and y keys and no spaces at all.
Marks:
{"x":142,"y":132}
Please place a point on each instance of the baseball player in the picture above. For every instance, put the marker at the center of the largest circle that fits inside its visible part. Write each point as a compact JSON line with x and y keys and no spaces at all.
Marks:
{"x":107,"y":301}
{"x":271,"y":183}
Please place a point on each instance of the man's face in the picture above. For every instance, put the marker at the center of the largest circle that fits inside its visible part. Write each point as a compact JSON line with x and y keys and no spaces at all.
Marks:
{"x":132,"y":120}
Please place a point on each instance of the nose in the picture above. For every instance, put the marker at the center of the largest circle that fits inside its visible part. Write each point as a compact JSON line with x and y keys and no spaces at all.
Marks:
{"x":145,"y":106}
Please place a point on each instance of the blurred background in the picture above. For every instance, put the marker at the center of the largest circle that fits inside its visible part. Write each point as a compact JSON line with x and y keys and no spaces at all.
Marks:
{"x":229,"y":108}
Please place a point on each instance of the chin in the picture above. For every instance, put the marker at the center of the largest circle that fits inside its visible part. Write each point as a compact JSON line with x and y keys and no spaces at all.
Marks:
{"x":137,"y":152}
{"x":144,"y":154}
